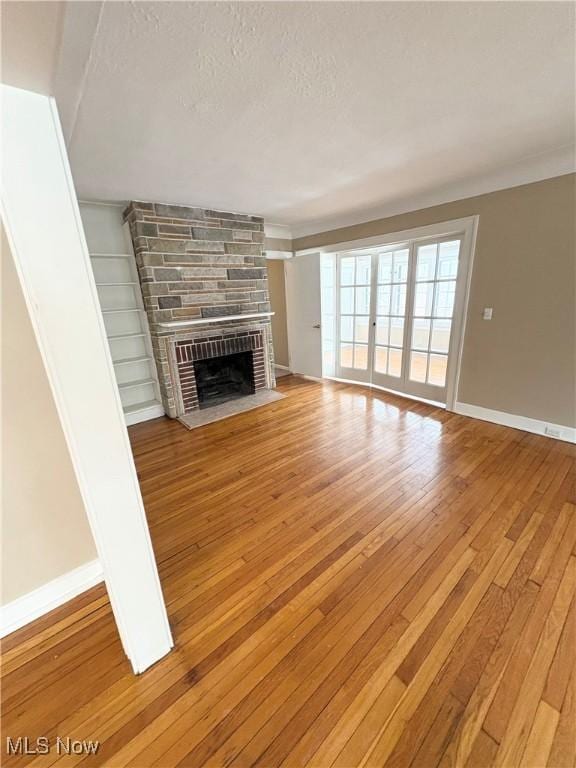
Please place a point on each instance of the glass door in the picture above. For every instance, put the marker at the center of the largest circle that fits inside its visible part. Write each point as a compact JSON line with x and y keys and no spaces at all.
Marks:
{"x":391,"y":284}
{"x":433,"y":290}
{"x":395,"y":315}
{"x":354,"y":298}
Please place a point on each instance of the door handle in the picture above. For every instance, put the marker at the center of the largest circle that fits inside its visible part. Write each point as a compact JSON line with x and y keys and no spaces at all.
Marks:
{"x":316,"y":325}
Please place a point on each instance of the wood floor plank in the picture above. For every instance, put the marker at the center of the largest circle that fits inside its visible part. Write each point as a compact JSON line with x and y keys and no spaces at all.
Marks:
{"x":523,"y":713}
{"x":391,"y":732}
{"x":440,"y":733}
{"x":361,"y":740}
{"x":564,"y":660}
{"x":509,"y":689}
{"x":541,"y":736}
{"x":352,"y":579}
{"x":361,"y":705}
{"x":469,"y":729}
{"x":563,"y":750}
{"x":482,"y":753}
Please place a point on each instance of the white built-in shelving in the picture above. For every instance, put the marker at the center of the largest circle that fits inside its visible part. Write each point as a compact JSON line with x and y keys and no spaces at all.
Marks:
{"x":123,"y":311}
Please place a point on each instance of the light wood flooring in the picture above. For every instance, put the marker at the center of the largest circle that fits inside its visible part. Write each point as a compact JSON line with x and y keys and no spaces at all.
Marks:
{"x":352,"y":579}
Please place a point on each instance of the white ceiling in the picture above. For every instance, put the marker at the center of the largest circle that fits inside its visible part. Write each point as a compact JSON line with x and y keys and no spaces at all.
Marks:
{"x":315,"y":114}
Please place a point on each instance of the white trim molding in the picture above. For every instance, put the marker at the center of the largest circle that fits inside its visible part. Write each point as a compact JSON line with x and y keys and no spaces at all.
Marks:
{"x":278,"y":255}
{"x":206,"y":320}
{"x":438,"y":229}
{"x":526,"y":424}
{"x":49,"y":596}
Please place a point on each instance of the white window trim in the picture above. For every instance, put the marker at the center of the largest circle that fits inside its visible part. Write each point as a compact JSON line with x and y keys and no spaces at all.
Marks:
{"x":467,"y":228}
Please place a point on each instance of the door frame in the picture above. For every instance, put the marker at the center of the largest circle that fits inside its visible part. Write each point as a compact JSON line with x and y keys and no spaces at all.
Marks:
{"x":466,"y":228}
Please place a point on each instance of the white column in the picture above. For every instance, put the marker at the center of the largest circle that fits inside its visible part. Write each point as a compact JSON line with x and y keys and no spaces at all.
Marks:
{"x":43,"y":225}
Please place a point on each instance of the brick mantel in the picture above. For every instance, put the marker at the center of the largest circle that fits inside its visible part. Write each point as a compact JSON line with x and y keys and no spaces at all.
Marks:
{"x":198,"y":266}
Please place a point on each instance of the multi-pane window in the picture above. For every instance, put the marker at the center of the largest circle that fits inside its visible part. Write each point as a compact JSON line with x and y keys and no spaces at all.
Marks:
{"x":355,"y":278}
{"x":392,"y":279}
{"x":435,"y":289}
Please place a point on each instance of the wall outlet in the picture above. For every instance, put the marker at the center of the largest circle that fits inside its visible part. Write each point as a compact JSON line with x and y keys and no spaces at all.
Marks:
{"x":487,"y":313}
{"x":552,"y":431}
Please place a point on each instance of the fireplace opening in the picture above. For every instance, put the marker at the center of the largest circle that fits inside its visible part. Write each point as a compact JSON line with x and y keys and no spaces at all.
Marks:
{"x":219,"y":379}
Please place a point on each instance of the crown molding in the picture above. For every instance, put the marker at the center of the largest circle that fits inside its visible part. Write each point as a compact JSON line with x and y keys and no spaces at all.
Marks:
{"x":558,"y":162}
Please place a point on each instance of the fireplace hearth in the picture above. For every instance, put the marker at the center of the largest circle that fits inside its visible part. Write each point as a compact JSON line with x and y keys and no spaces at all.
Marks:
{"x":219,"y":379}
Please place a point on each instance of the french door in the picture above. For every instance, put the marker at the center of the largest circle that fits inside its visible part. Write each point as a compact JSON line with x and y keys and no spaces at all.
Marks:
{"x":355,"y":273}
{"x":396,"y":315}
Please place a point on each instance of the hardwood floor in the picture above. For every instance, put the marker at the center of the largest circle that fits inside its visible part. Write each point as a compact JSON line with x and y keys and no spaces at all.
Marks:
{"x":352,"y":579}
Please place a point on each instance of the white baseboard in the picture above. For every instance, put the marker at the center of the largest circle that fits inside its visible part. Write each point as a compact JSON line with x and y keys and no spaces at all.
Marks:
{"x":547,"y":429}
{"x":25,"y":609}
{"x":281,"y":367}
{"x":310,"y":378}
{"x":152,"y":412}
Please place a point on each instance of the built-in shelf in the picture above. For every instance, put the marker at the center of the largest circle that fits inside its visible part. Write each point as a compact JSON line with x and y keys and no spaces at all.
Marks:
{"x":126,"y":360}
{"x":135,"y":383}
{"x":206,"y":320}
{"x":142,"y":406}
{"x":148,"y":409}
{"x":122,"y":305}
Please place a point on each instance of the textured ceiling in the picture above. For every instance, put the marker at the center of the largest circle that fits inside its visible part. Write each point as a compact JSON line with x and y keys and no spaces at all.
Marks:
{"x":312,"y":113}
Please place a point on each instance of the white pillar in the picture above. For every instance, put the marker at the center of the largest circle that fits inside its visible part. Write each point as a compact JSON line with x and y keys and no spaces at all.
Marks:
{"x":43,"y":225}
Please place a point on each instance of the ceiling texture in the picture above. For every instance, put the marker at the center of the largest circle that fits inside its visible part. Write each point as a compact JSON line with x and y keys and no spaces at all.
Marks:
{"x":312,"y":114}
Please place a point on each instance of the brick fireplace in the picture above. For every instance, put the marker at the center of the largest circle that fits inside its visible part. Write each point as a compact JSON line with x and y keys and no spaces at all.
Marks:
{"x":219,"y":347}
{"x":205,"y":290}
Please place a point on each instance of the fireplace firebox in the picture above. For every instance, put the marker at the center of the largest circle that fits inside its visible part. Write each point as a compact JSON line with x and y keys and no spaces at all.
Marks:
{"x":230,"y":364}
{"x":219,"y":379}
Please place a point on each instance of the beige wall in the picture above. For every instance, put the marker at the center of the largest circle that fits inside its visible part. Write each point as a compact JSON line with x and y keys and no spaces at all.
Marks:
{"x":277,"y":244}
{"x":277,"y":290}
{"x":45,"y":532}
{"x":523,"y":360}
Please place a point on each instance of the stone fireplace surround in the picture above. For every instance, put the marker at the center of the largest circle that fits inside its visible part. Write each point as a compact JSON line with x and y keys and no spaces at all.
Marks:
{"x":205,"y":290}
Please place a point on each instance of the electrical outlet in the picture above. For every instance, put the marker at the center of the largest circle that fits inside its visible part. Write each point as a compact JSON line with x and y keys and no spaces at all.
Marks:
{"x":552,"y":431}
{"x":487,"y":314}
